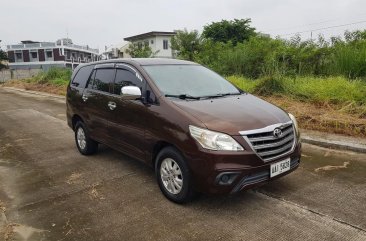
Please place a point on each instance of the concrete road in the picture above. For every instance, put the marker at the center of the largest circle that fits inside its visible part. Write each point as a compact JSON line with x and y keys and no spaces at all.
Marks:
{"x":48,"y":191}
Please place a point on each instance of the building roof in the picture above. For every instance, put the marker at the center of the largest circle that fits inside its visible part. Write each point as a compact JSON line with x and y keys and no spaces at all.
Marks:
{"x":149,"y":34}
{"x":29,"y":42}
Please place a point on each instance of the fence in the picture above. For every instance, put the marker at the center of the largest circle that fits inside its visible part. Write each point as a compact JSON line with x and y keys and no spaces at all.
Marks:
{"x":8,"y":74}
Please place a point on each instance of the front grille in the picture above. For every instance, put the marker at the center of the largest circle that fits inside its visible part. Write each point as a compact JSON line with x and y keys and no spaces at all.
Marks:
{"x":260,"y":176}
{"x":267,"y":145}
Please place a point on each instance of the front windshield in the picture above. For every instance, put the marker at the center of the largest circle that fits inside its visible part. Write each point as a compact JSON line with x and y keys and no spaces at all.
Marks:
{"x":189,"y":80}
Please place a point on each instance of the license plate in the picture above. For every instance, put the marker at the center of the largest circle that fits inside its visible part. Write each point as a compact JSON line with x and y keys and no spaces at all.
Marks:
{"x":280,"y":167}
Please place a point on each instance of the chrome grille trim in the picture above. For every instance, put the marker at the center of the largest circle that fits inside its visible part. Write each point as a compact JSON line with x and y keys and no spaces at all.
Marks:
{"x":266,"y":145}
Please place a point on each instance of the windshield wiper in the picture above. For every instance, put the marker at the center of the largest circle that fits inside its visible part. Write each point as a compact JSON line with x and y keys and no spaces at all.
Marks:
{"x":219,"y":95}
{"x":184,"y":96}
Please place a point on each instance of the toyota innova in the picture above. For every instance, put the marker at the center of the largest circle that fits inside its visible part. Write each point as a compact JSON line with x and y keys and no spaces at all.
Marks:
{"x":200,"y":133}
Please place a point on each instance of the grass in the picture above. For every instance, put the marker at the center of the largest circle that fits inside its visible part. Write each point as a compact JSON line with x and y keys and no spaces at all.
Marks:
{"x":54,"y":76}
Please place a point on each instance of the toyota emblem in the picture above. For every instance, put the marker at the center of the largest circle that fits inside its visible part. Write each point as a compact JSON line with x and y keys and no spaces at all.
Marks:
{"x":277,"y":133}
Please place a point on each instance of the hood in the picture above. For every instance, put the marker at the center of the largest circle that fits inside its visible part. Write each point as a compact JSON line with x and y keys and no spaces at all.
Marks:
{"x":234,"y":113}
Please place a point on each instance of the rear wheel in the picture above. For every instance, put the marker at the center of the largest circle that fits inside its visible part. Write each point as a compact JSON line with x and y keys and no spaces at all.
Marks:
{"x":84,"y":143}
{"x":173,"y":176}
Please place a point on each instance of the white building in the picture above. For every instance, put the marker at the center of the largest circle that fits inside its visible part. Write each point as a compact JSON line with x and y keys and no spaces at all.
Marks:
{"x":159,"y":42}
{"x":115,"y":51}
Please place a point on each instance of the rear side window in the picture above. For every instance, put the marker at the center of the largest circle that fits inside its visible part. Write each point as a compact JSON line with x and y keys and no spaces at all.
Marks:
{"x":103,"y":79}
{"x":125,"y":78}
{"x":82,"y":76}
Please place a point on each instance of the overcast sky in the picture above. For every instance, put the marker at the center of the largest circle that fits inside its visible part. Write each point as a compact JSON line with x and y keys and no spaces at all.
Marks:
{"x":104,"y":22}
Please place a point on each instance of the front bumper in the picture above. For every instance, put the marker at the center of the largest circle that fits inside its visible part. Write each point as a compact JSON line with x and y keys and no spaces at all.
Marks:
{"x":249,"y":170}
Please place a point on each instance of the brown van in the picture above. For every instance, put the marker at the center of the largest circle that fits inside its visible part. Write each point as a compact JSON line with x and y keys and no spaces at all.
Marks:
{"x":198,"y":131}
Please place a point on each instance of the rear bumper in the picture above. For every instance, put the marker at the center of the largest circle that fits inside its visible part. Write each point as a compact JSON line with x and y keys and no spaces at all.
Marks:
{"x":248,"y":169}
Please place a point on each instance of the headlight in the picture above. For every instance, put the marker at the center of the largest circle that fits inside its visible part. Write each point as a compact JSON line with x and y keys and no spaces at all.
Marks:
{"x":214,"y":140}
{"x":295,"y":125}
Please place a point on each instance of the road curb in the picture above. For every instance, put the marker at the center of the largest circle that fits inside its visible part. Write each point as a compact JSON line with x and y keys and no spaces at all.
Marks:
{"x":310,"y":137}
{"x":332,"y":145}
{"x":43,"y":94}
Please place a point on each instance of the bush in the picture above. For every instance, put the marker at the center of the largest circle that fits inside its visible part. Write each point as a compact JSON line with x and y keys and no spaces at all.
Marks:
{"x":54,"y":76}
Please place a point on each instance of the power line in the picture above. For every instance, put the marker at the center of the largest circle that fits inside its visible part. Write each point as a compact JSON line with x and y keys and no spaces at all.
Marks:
{"x":318,"y":29}
{"x":311,"y":24}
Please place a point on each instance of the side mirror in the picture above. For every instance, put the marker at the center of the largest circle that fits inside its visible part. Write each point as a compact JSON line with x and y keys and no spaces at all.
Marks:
{"x":130,"y":92}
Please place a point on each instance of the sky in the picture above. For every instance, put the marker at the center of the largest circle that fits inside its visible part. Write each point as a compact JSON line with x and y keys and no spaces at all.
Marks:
{"x":100,"y":23}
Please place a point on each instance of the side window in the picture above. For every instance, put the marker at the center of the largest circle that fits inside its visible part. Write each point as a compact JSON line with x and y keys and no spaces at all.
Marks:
{"x":82,"y":76}
{"x":103,"y":79}
{"x":91,"y":80}
{"x":125,"y":78}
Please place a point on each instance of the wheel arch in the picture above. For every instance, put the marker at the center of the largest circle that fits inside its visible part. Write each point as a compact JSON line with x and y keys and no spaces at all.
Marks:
{"x":160,"y":145}
{"x":75,"y":119}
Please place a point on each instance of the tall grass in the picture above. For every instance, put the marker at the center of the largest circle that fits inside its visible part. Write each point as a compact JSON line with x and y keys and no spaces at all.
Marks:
{"x":54,"y":76}
{"x":335,"y":90}
{"x":264,"y":56}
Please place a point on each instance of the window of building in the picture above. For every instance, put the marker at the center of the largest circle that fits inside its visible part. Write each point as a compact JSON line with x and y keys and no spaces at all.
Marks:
{"x":165,"y":44}
{"x":103,"y":78}
{"x":151,"y":41}
{"x":81,"y":56}
{"x":73,"y":55}
{"x":139,"y":45}
{"x":146,"y":43}
{"x":34,"y":55}
{"x":67,"y":54}
{"x":18,"y":56}
{"x":125,"y":78}
{"x":49,"y":54}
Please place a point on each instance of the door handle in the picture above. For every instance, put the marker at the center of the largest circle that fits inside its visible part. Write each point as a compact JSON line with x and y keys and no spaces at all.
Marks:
{"x":84,"y":97}
{"x":112,"y":105}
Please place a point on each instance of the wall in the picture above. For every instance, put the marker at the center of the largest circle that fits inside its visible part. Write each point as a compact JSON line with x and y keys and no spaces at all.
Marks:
{"x":158,"y":46}
{"x":163,"y":53}
{"x":7,"y":74}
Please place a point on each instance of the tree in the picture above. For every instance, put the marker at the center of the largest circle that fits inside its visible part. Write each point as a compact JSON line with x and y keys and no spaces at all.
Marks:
{"x":236,"y":31}
{"x":140,"y":51}
{"x":3,"y":56}
{"x":186,"y":44}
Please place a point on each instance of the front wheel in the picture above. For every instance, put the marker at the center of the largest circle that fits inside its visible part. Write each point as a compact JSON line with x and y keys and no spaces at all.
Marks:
{"x":84,"y":143}
{"x":173,"y":176}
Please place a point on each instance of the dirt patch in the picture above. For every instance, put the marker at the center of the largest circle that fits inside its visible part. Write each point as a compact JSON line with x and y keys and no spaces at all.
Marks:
{"x":8,"y":231}
{"x":330,"y":168}
{"x":74,"y":178}
{"x":48,"y":88}
{"x":2,"y":206}
{"x":14,"y":231}
{"x":94,"y":194}
{"x":322,"y":117}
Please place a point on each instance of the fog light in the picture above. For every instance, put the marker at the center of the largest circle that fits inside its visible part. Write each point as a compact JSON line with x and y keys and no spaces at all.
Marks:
{"x":226,"y":178}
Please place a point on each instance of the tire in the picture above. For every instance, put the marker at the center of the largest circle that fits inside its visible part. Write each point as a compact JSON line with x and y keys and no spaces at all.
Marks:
{"x":173,"y":176}
{"x":84,"y":143}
